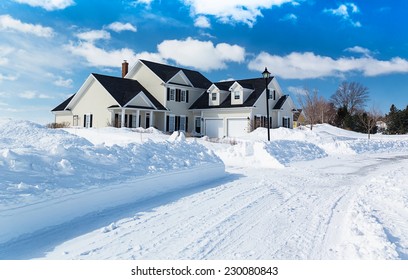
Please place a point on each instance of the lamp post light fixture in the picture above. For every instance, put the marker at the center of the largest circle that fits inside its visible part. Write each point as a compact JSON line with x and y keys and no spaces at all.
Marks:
{"x":266,"y":75}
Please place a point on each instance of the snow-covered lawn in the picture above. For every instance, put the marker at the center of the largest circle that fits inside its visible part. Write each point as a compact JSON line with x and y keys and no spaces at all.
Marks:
{"x":122,"y":194}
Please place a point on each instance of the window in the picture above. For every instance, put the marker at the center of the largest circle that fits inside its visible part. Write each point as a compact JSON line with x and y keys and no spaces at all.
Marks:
{"x":237,"y":94}
{"x":182,"y":123}
{"x":183,"y":96}
{"x":213,"y":96}
{"x":286,"y":122}
{"x":271,"y":94}
{"x":170,"y":122}
{"x":75,"y":120}
{"x":172,"y":94}
{"x":88,"y":120}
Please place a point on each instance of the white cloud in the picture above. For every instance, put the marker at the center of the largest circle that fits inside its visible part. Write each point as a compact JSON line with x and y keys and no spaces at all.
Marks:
{"x":344,"y":11}
{"x":202,"y":55}
{"x":310,"y":66}
{"x":9,"y":23}
{"x":297,"y":90}
{"x":142,"y":2}
{"x":290,"y":17}
{"x":94,"y":35}
{"x":61,"y":82}
{"x":30,"y":94}
{"x":202,"y":22}
{"x":234,"y":11}
{"x":5,"y":51}
{"x":8,"y":77}
{"x":99,"y":57}
{"x":119,"y":27}
{"x":48,"y":5}
{"x":359,"y":50}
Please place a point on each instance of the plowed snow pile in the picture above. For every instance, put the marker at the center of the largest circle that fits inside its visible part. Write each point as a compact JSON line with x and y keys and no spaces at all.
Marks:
{"x":40,"y":166}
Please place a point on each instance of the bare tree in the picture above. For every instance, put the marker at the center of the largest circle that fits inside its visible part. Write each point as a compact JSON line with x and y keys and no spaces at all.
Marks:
{"x":312,"y":105}
{"x":369,"y":119}
{"x":351,"y":95}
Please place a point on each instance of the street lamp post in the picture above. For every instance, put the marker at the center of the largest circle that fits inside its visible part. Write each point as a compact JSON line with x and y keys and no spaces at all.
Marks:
{"x":266,"y":75}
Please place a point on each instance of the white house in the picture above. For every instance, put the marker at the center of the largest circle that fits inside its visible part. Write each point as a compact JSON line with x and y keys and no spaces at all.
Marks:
{"x":172,"y":98}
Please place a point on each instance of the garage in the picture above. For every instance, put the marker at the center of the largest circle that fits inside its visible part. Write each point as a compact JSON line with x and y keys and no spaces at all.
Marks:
{"x":214,"y":128}
{"x":237,"y":127}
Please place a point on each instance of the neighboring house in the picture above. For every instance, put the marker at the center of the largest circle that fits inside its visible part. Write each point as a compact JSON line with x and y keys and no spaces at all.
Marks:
{"x":172,"y":98}
{"x":299,"y":118}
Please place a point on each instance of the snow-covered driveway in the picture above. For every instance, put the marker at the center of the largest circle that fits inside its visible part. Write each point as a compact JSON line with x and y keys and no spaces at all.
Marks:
{"x":330,"y":208}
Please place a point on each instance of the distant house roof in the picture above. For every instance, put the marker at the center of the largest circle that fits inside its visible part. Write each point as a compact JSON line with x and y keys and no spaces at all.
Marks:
{"x":166,"y":72}
{"x":296,"y":114}
{"x":121,"y":89}
{"x":257,"y":85}
{"x":280,"y":102}
{"x":63,"y":105}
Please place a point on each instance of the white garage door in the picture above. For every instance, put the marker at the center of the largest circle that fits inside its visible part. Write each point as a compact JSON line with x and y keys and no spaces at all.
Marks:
{"x":237,"y":127}
{"x":214,"y":128}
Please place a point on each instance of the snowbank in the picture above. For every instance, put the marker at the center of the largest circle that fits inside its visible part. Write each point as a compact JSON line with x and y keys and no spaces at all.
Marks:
{"x":293,"y":145}
{"x":47,"y":173}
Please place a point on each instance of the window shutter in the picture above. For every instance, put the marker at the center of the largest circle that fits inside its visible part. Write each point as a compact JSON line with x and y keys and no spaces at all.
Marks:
{"x":177,"y":123}
{"x":177,"y":95}
{"x":167,"y":123}
{"x":186,"y":124}
{"x":186,"y":96}
{"x":168,"y":94}
{"x":84,"y":120}
{"x":90,"y":121}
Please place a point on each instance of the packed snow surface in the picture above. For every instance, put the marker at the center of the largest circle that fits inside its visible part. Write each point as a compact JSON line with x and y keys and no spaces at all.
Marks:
{"x":140,"y":194}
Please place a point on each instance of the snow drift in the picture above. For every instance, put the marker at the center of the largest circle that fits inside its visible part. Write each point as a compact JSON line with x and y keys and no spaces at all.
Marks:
{"x":45,"y":174}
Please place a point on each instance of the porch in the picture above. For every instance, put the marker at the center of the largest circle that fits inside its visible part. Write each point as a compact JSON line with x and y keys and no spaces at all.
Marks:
{"x":136,"y":117}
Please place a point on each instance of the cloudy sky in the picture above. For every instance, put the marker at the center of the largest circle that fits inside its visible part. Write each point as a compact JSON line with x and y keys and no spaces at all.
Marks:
{"x":49,"y":47}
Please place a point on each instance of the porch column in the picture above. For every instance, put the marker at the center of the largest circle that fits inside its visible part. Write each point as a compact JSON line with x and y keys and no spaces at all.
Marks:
{"x":137,"y":118}
{"x":122,"y":118}
{"x":151,"y":119}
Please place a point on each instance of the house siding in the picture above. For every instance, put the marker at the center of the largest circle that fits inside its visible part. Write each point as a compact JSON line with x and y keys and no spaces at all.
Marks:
{"x":150,"y":81}
{"x":95,"y":101}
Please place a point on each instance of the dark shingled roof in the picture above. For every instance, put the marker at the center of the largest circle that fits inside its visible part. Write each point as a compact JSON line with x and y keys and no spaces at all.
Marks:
{"x":280,"y":102}
{"x":64,"y":104}
{"x":258,"y":85}
{"x":166,"y":72}
{"x":124,"y":90}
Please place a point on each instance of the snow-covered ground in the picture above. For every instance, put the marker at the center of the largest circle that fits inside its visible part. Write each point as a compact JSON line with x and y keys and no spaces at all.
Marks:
{"x":123,"y":194}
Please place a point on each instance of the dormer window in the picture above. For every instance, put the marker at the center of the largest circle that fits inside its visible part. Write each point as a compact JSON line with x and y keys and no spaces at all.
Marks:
{"x":214,"y":96}
{"x":237,"y":94}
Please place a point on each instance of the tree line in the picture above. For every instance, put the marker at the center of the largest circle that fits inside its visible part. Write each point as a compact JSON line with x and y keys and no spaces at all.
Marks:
{"x":347,"y":109}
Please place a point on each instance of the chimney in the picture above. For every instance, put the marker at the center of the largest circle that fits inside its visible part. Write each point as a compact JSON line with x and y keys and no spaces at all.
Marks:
{"x":125,"y":68}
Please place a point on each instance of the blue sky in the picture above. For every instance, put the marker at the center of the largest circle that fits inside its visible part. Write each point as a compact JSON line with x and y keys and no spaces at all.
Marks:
{"x":49,"y":47}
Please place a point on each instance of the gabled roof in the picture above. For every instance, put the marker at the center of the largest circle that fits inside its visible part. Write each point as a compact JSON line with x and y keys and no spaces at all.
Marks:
{"x":166,"y":72}
{"x":257,"y":85}
{"x":280,"y":102}
{"x":63,"y":105}
{"x":121,"y":89}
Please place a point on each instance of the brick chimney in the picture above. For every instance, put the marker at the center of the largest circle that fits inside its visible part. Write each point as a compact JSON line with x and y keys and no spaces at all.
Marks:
{"x":125,"y":68}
